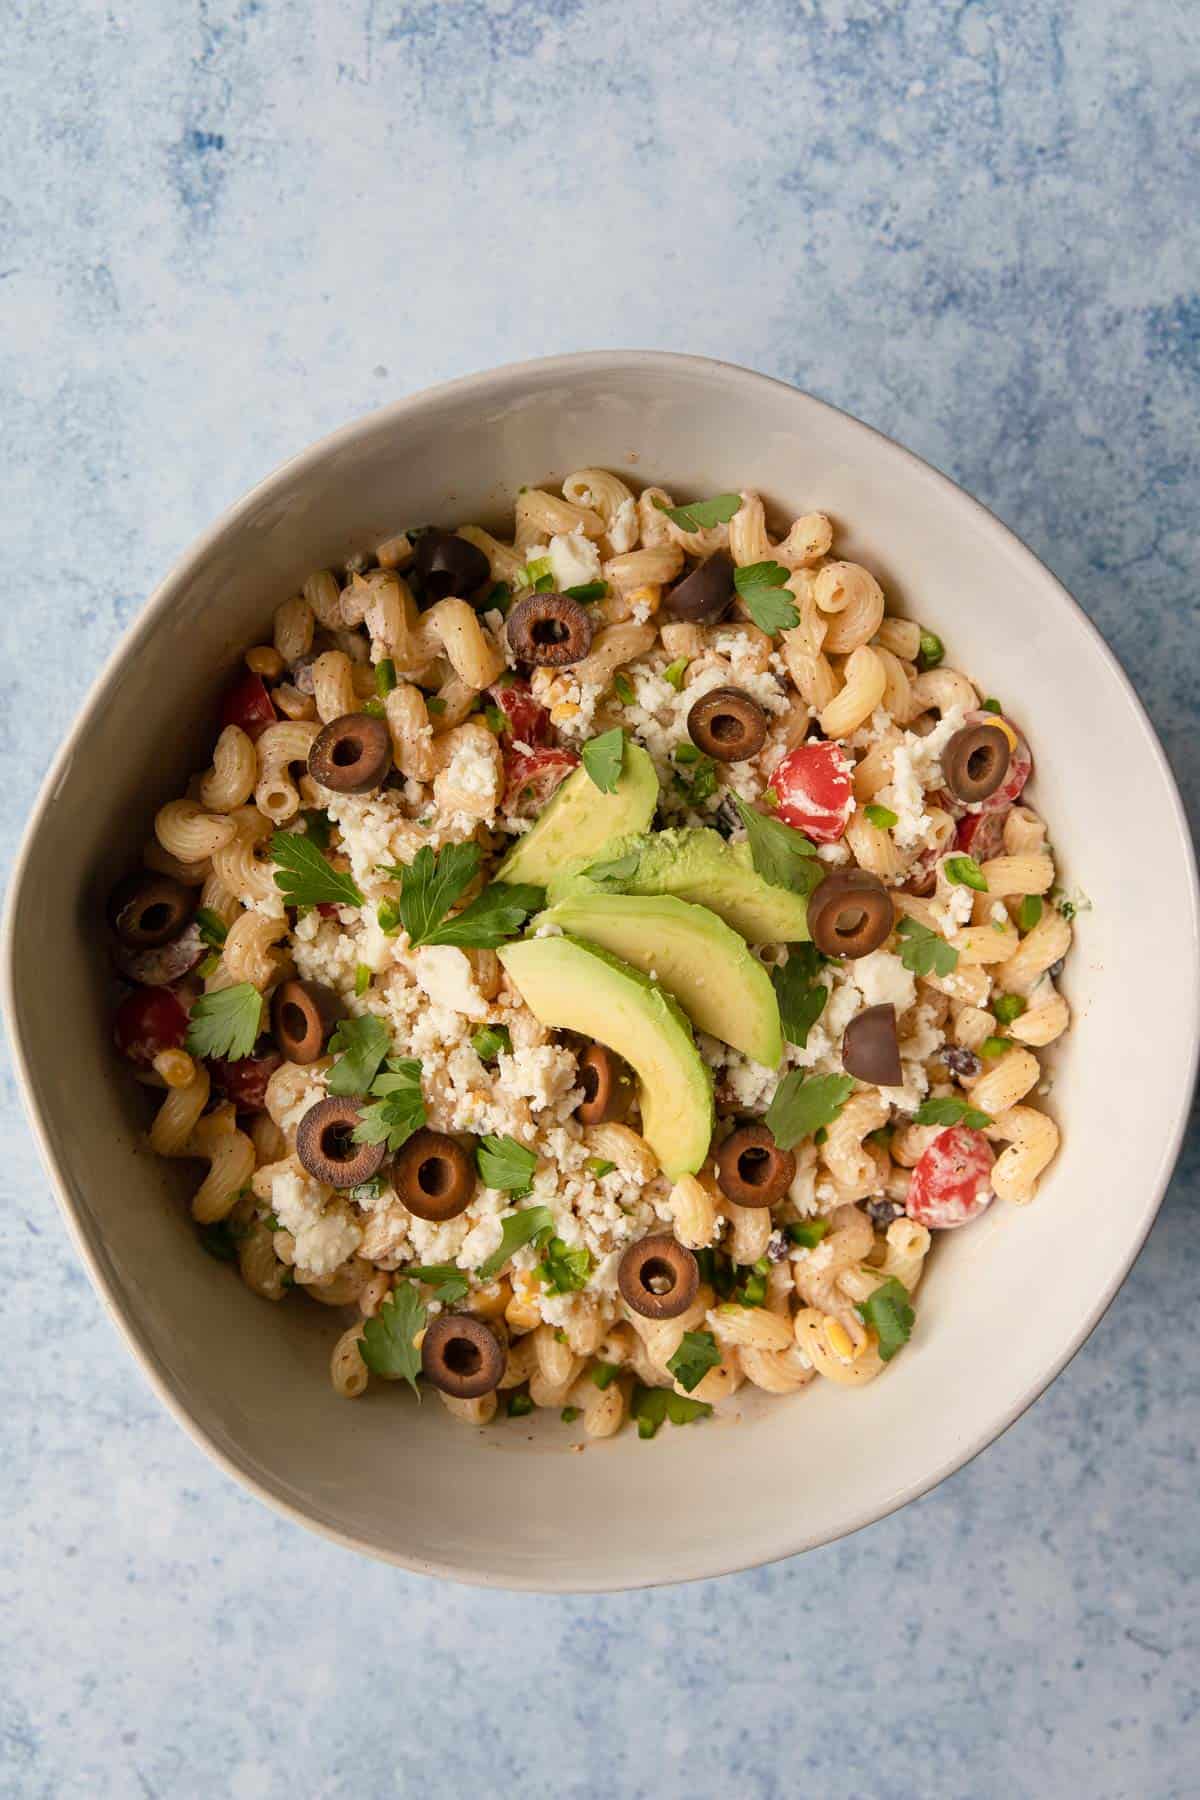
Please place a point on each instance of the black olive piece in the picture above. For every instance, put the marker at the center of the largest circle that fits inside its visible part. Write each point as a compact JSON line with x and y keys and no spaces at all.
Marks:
{"x":704,"y":596}
{"x":448,"y":565}
{"x":462,"y":1356}
{"x":158,"y":965}
{"x":607,"y":1085}
{"x":352,"y":755}
{"x":751,"y":1168}
{"x":434,"y":1177}
{"x":147,"y":909}
{"x":849,"y":914}
{"x":871,"y":1048}
{"x":325,"y":1145}
{"x":727,"y":724}
{"x":658,"y":1277}
{"x":303,"y":1013}
{"x":550,"y":630}
{"x":960,"y":1061}
{"x":975,"y":762}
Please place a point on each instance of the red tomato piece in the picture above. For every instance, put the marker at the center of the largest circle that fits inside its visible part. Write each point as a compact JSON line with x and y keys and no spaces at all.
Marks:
{"x":245,"y":1081}
{"x":248,"y":704}
{"x":952,"y":1182}
{"x":327,"y":909}
{"x":531,"y":777}
{"x":814,"y":785}
{"x":528,"y":720}
{"x":981,"y":834}
{"x":1020,"y":768}
{"x":148,"y":1020}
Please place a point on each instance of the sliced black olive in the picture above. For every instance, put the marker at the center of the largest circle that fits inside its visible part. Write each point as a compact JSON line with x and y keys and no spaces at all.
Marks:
{"x":751,"y":1168}
{"x":147,"y":909}
{"x":434,"y":1177}
{"x":975,"y":762}
{"x":160,"y":964}
{"x":549,"y":630}
{"x":352,"y":755}
{"x":657,"y":1277}
{"x":303,"y":1013}
{"x":871,"y":1048}
{"x":325,"y":1145}
{"x":462,"y":1356}
{"x":727,"y":724}
{"x":849,"y":913}
{"x":448,"y":565}
{"x":704,"y":596}
{"x":607,"y":1084}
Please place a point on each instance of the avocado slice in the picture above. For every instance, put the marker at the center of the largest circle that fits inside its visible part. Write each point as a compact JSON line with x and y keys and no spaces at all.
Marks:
{"x":580,"y":820}
{"x":695,"y":864}
{"x":573,"y":986}
{"x":722,"y":988}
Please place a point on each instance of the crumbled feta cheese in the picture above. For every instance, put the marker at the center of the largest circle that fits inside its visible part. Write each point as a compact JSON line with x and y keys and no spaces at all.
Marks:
{"x":882,"y":977}
{"x":324,"y":1238}
{"x":623,"y":528}
{"x":574,"y":559}
{"x":444,"y":973}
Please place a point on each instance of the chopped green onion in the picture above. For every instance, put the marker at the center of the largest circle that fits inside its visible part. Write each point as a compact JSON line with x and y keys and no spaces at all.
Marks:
{"x":598,"y":1166}
{"x":1008,"y":1007}
{"x":994,"y":1046}
{"x":489,"y":1041}
{"x":754,"y":1290}
{"x":388,"y":915}
{"x":496,"y":719}
{"x":436,"y":706}
{"x":362,"y":979}
{"x":686,"y":753}
{"x":385,"y":676}
{"x":882,"y":817}
{"x":1029,"y":911}
{"x":373,"y":707}
{"x":519,"y":1404}
{"x":674,"y":672}
{"x":992,"y":705}
{"x":587,"y":590}
{"x":605,"y":1373}
{"x":807,"y":1232}
{"x":569,"y":1414}
{"x":623,"y":688}
{"x":209,"y":966}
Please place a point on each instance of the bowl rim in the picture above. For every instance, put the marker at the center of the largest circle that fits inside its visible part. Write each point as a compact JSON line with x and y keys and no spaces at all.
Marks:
{"x":513,"y":375}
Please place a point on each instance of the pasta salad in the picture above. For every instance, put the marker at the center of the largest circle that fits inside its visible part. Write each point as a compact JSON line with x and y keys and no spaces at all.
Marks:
{"x":598,"y":960}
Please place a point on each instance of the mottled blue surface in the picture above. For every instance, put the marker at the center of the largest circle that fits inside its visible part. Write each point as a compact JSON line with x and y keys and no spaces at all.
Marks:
{"x":225,"y":228}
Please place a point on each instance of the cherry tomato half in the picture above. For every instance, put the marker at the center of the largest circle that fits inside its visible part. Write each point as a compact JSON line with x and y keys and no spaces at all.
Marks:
{"x":981,"y":834}
{"x":245,"y":1081}
{"x":814,"y":785}
{"x":528,"y":720}
{"x":248,"y":704}
{"x":148,"y":1020}
{"x":531,"y":777}
{"x":952,"y":1181}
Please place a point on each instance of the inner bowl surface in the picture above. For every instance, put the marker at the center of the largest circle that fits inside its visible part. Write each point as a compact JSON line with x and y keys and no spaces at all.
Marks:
{"x":1004,"y":1303}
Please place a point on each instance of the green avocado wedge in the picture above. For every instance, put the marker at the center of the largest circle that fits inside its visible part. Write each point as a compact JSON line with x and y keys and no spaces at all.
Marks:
{"x":573,"y":986}
{"x":693,"y":864}
{"x":721,"y":986}
{"x":580,"y":820}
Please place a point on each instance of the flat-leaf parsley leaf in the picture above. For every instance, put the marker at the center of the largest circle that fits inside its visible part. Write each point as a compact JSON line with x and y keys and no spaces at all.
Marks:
{"x":944,"y":1109}
{"x":698,"y":515}
{"x":890,"y":1316}
{"x":505,"y":1164}
{"x":696,"y":1355}
{"x":781,"y":854}
{"x":923,"y":952}
{"x":227,"y":1023}
{"x":763,"y":586}
{"x":602,"y":758}
{"x":305,"y":877}
{"x":800,"y":995}
{"x":803,"y":1104}
{"x":431,"y":884}
{"x":360,"y":1046}
{"x":386,"y":1345}
{"x":397,"y":1106}
{"x":534,"y":1225}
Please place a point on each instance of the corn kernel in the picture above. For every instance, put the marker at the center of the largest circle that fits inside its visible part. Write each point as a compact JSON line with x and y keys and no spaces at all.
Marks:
{"x":1004,"y":726}
{"x":490,"y":1301}
{"x":265,"y":660}
{"x":839,"y":1340}
{"x":559,"y":715}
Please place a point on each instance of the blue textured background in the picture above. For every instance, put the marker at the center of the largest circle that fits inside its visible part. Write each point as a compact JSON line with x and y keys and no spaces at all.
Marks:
{"x":226,"y":228}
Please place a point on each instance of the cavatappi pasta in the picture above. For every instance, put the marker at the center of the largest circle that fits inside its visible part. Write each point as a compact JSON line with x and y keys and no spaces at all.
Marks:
{"x":331,"y":956}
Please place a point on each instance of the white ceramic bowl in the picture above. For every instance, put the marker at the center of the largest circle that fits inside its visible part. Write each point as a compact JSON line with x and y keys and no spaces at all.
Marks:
{"x":1006,"y":1301}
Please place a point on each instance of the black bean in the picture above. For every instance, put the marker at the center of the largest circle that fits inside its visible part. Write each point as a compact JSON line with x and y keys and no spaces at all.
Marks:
{"x":883,"y":1212}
